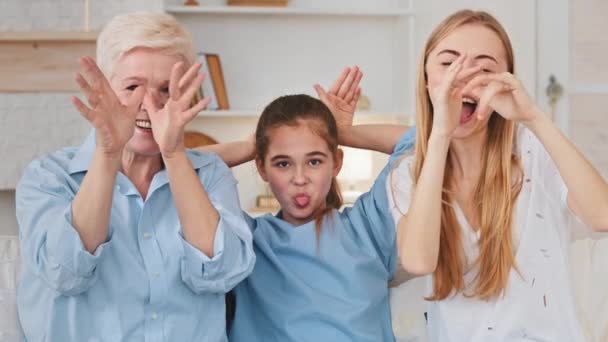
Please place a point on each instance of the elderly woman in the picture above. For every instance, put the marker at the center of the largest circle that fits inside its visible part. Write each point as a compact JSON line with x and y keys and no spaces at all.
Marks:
{"x":130,"y":237}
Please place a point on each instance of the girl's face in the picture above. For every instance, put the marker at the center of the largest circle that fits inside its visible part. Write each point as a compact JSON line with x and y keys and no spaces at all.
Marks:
{"x":299,"y":167}
{"x":485,"y":49}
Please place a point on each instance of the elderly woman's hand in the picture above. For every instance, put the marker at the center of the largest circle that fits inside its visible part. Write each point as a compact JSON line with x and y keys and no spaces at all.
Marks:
{"x":113,"y":121}
{"x":168,"y":123}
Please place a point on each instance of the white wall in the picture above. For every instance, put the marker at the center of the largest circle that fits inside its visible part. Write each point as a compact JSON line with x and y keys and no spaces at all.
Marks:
{"x":34,"y":124}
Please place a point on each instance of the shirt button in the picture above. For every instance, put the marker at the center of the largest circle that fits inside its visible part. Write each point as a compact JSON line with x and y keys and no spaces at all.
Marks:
{"x":147,"y":235}
{"x":154,"y":316}
{"x":156,"y":274}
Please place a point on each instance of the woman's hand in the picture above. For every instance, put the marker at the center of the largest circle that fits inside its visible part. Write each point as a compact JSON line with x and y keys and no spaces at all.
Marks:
{"x":168,"y":123}
{"x":114,"y":122}
{"x":447,"y":97}
{"x":342,"y":97}
{"x":504,"y":94}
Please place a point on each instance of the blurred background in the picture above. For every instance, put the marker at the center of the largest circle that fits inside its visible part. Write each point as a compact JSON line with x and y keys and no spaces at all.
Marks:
{"x":561,"y":51}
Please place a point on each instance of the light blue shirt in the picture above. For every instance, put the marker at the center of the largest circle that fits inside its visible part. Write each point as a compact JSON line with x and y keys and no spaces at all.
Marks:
{"x":336,"y":290}
{"x":146,"y":283}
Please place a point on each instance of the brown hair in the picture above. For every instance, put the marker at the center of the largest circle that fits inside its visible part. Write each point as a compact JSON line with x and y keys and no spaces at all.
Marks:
{"x":291,"y":110}
{"x":496,"y":191}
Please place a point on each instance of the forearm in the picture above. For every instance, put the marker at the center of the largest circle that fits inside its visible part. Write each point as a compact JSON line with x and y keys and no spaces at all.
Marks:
{"x":381,"y":138}
{"x":232,"y":153}
{"x":587,"y":190}
{"x":418,"y":232}
{"x":197,"y":215}
{"x":93,"y":202}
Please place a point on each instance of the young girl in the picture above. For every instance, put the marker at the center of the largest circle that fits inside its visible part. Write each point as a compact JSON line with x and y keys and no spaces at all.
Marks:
{"x":484,"y":203}
{"x":320,"y":274}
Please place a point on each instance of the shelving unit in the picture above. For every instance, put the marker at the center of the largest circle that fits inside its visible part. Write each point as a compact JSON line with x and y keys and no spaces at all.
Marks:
{"x":286,"y":11}
{"x":267,"y":52}
{"x":245,"y":113}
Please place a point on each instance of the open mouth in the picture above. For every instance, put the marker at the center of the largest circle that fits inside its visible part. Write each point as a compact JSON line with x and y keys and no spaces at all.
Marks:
{"x":468,"y":109}
{"x":143,"y":124}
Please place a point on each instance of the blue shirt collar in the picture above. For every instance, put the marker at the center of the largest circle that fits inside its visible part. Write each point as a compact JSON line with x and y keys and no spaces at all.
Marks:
{"x":82,"y":159}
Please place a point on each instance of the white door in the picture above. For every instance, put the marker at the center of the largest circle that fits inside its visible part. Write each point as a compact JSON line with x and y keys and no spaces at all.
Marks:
{"x":573,"y":47}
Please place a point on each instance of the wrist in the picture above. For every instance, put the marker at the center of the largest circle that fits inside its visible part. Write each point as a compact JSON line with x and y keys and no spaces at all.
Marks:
{"x":111,"y":162}
{"x":171,"y":158}
{"x":537,"y":120}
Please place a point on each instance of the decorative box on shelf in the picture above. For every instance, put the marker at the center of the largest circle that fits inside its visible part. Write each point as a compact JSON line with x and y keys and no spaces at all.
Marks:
{"x":281,"y":3}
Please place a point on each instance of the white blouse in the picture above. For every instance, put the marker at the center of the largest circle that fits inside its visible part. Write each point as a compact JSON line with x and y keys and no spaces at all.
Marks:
{"x":538,"y":303}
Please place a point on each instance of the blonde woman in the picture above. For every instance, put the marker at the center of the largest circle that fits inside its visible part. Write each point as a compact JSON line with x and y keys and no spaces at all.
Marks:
{"x":483,"y":204}
{"x":130,"y":237}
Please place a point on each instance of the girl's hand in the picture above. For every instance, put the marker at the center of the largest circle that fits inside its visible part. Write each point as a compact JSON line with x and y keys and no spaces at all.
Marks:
{"x":114,"y":122}
{"x":504,"y":94}
{"x":342,"y":97}
{"x":168,"y":123}
{"x":447,"y":97}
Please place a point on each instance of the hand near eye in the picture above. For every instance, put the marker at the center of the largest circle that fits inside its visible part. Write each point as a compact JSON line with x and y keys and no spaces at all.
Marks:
{"x":504,"y":94}
{"x":447,"y":97}
{"x":342,"y":97}
{"x":114,"y":122}
{"x":168,"y":123}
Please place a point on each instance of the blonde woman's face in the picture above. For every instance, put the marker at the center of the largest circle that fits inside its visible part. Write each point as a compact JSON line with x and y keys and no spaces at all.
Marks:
{"x":484,"y":49}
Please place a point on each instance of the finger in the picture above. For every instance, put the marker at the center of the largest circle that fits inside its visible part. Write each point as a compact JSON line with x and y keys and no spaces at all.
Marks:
{"x":197,"y":108}
{"x":135,"y":100}
{"x":345,"y":87}
{"x":508,"y":80}
{"x":450,"y":76}
{"x":149,"y":105}
{"x":192,"y":89}
{"x":353,"y":89}
{"x":189,"y":75}
{"x":321,"y":93}
{"x":82,"y":108}
{"x":338,"y":82}
{"x":96,"y":78}
{"x":466,"y":74}
{"x":176,"y":75}
{"x":84,"y":86}
{"x":355,"y":98}
{"x":488,"y":94}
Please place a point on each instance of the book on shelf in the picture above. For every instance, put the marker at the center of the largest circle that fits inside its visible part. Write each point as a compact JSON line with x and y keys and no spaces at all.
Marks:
{"x":257,"y":3}
{"x":207,"y":85}
{"x":217,"y":78}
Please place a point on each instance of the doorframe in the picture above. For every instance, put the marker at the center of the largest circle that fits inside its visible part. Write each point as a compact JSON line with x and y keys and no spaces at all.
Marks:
{"x":553,"y":56}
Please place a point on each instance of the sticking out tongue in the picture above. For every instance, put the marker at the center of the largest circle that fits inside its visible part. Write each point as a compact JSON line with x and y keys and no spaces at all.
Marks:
{"x":302,"y":200}
{"x":467,"y":112}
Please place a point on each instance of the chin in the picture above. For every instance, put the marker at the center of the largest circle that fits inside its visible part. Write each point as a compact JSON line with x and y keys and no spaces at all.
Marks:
{"x":144,"y":148}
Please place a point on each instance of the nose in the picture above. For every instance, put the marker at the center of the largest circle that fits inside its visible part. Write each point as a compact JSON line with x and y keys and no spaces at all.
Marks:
{"x":299,"y":177}
{"x":153,"y":101}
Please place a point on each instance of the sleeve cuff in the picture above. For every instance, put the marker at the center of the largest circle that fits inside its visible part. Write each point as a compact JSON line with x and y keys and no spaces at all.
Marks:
{"x":406,"y":142}
{"x":198,"y":262}
{"x":68,"y":250}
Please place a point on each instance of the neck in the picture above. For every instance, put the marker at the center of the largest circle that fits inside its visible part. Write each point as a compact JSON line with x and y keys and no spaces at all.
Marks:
{"x":466,"y":157}
{"x":141,"y":169}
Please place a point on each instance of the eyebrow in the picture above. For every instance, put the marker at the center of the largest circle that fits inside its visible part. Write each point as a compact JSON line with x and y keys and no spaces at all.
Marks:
{"x":456,"y":53}
{"x":133,"y":78}
{"x":310,"y":154}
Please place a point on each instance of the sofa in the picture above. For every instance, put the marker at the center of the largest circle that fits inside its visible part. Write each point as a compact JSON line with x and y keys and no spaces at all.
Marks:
{"x":589,"y":267}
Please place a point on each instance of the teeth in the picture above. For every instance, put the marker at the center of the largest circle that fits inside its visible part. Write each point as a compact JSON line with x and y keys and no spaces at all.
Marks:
{"x":143,"y":124}
{"x":468,"y":100}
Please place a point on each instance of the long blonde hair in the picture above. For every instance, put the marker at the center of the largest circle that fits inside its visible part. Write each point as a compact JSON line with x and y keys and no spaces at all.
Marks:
{"x":496,"y":191}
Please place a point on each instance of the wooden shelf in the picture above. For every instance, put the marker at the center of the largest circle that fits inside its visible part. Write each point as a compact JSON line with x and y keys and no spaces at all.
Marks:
{"x":45,"y":36}
{"x":250,"y":113}
{"x":389,"y":12}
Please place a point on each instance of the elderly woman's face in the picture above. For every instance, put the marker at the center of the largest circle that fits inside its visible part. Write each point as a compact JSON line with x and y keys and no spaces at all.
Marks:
{"x":151,"y":69}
